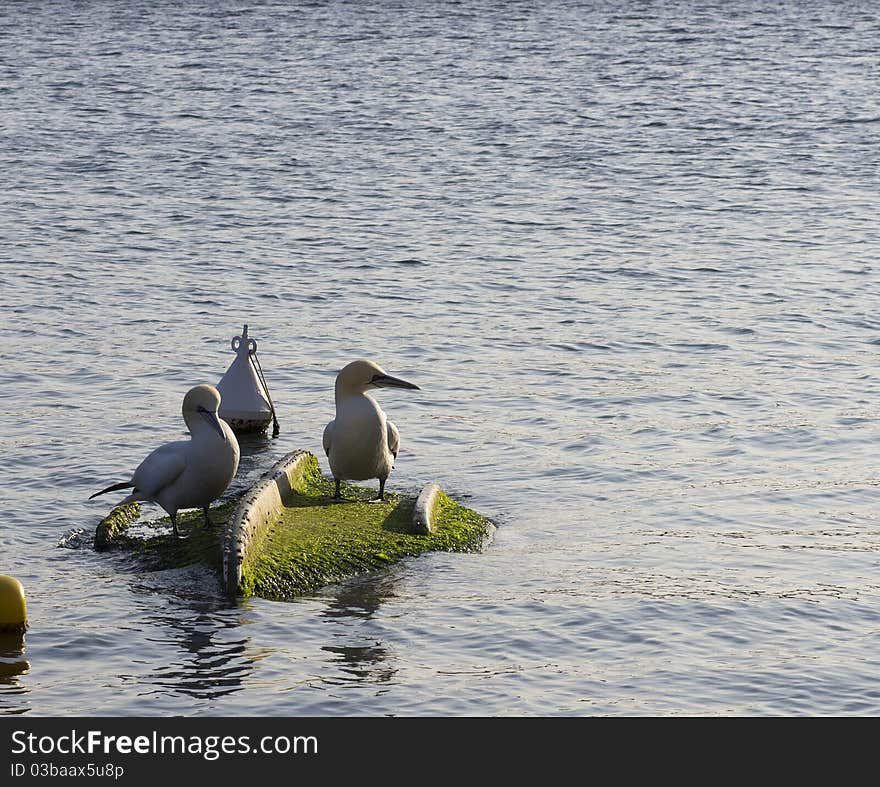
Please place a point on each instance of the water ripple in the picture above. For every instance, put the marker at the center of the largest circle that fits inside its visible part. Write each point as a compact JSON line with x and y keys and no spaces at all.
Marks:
{"x":625,"y":251}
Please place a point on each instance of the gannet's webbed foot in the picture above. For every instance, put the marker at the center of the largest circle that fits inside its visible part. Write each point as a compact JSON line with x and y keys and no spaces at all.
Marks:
{"x":208,"y":523}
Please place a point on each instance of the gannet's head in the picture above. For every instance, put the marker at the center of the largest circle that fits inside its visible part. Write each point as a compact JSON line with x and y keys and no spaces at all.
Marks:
{"x":203,"y":401}
{"x":361,"y":376}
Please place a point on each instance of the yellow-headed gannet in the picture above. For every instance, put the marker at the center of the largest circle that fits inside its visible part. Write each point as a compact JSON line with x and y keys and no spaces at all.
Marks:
{"x":188,"y":473}
{"x":361,"y":442}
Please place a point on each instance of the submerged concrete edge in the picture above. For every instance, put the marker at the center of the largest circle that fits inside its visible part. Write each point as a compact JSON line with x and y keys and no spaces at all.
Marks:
{"x":249,"y":521}
{"x":115,"y":523}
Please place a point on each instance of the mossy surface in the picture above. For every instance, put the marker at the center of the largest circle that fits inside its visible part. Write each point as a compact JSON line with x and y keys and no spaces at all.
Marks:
{"x":315,"y":541}
{"x":318,"y":540}
{"x":114,"y":525}
{"x":155,"y":542}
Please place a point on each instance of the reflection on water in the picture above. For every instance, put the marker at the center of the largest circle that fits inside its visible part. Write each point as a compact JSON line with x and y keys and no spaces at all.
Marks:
{"x":361,"y":597}
{"x":200,"y":634}
{"x":208,"y":667}
{"x":365,"y":662}
{"x":12,"y":664}
{"x":353,"y":605}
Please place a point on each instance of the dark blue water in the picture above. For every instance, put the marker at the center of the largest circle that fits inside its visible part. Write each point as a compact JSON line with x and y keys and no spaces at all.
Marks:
{"x":627,"y":250}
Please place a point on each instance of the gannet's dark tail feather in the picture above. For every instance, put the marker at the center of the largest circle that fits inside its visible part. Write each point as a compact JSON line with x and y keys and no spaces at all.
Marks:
{"x":113,"y":488}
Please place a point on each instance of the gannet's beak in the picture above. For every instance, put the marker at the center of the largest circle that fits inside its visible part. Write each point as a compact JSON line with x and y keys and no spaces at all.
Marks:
{"x":214,"y":420}
{"x":387,"y":381}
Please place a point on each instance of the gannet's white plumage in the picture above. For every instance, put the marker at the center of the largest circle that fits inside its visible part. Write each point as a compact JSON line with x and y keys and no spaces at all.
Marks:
{"x":188,"y":473}
{"x":361,"y":442}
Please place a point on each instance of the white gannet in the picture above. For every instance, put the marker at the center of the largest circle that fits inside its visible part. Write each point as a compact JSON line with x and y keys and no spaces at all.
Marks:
{"x":188,"y":473}
{"x":361,"y":442}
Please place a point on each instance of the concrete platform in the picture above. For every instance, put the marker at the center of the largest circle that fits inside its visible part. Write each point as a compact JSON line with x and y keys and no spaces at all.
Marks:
{"x":287,"y":536}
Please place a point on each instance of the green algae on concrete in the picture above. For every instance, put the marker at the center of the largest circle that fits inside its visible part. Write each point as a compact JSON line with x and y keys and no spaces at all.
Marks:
{"x":317,"y":540}
{"x":307,"y":539}
{"x":155,"y":542}
{"x":113,"y":526}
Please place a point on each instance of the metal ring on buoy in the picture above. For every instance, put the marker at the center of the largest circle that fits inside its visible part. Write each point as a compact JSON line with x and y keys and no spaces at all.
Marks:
{"x":251,"y":345}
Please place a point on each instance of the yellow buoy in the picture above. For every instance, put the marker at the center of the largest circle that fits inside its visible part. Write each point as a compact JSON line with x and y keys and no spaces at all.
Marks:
{"x":13,"y":609}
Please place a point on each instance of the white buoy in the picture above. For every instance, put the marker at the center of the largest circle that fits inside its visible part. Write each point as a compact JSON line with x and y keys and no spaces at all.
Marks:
{"x":245,"y":402}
